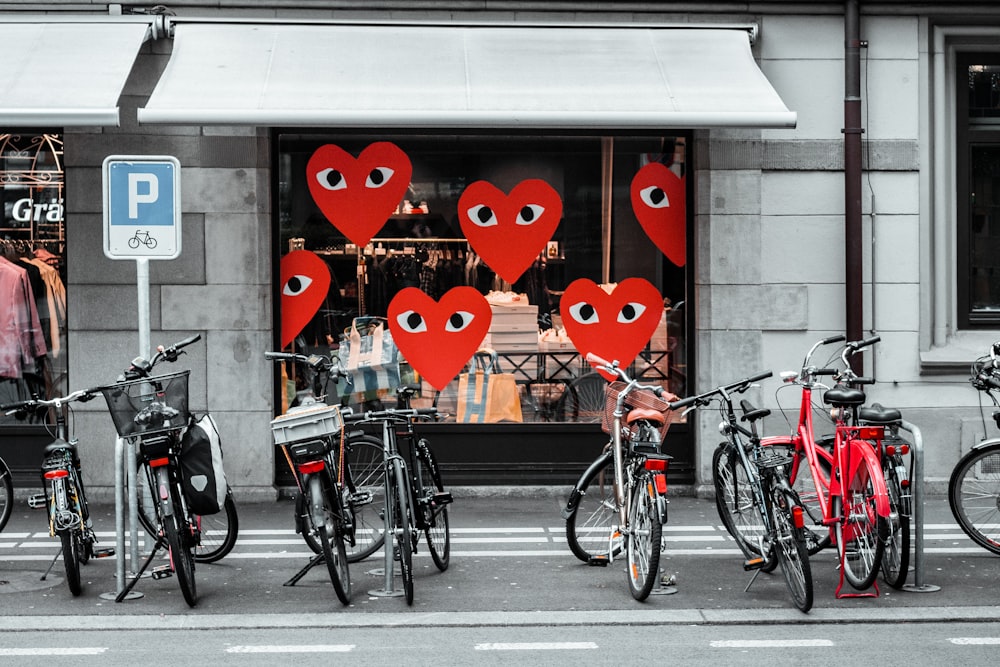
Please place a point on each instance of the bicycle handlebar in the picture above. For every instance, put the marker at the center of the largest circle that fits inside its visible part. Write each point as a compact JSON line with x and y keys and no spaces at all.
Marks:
{"x":723,"y":391}
{"x":317,"y":362}
{"x":612,"y":367}
{"x":394,"y":414}
{"x":141,"y":368}
{"x":80,"y":395}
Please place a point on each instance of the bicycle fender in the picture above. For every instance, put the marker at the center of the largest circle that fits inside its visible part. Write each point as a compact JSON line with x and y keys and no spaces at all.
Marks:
{"x":316,"y":503}
{"x":577,"y":492}
{"x":985,"y":444}
{"x":163,"y":491}
{"x":863,"y":454}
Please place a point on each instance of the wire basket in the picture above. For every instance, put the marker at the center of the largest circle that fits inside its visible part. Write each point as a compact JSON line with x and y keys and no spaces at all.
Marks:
{"x":149,"y":405}
{"x":638,"y":398}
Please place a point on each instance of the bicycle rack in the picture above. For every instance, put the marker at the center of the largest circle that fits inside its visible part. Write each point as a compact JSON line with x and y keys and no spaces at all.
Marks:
{"x":387,"y":591}
{"x":125,"y":464}
{"x":917,"y":481}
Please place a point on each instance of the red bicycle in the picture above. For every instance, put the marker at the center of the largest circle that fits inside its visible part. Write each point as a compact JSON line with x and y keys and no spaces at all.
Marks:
{"x":841,"y":487}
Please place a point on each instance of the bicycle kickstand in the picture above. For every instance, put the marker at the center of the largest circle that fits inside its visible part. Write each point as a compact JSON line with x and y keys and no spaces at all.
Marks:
{"x":52,"y":564}
{"x":316,"y":560}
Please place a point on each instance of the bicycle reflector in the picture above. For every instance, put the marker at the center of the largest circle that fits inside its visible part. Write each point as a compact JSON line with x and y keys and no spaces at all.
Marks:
{"x":661,"y":483}
{"x":797,"y":519}
{"x":310,"y":467}
{"x":871,"y":432}
{"x":656,"y":465}
{"x":892,"y":450}
{"x":56,"y":474}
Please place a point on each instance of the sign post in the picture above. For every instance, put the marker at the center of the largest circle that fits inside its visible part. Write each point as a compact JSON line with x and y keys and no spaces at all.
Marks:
{"x":142,"y":221}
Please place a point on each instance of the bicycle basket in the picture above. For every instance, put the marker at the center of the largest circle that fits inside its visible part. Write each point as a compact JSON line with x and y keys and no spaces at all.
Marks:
{"x":306,"y":423}
{"x":639,"y":398}
{"x":149,"y":405}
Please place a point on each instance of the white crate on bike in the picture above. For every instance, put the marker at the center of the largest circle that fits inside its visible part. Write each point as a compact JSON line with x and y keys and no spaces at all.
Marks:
{"x":306,"y":422}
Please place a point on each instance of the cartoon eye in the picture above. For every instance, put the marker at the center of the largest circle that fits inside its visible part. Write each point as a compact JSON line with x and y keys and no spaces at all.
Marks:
{"x":529,"y":214}
{"x":630,"y":312}
{"x":459,"y":320}
{"x":654,"y":197}
{"x":331,"y":179}
{"x":296,"y":285}
{"x":482,"y":216}
{"x":412,"y":321}
{"x":378,"y":177}
{"x":583,"y":313}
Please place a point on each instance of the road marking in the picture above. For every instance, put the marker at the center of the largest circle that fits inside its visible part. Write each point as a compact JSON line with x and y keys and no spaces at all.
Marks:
{"x":293,"y":648}
{"x":535,"y":646}
{"x":769,"y":643}
{"x":82,"y":650}
{"x":975,"y":641}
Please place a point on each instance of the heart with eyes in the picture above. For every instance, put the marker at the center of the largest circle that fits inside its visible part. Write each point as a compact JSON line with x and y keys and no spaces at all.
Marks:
{"x":615,"y":326}
{"x":357,"y":195}
{"x":509,"y":231}
{"x":659,"y":203}
{"x":305,"y":281}
{"x":438,"y":338}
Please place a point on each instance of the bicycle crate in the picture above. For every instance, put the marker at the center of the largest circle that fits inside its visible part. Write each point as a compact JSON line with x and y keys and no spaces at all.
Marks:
{"x":134,"y":404}
{"x":639,"y":398}
{"x":306,"y":422}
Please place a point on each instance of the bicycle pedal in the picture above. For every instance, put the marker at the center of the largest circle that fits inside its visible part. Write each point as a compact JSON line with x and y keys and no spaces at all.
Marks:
{"x":161,"y":572}
{"x":599,"y":561}
{"x":37,"y":501}
{"x":753,"y":564}
{"x":104,"y":553}
{"x":441,"y":498}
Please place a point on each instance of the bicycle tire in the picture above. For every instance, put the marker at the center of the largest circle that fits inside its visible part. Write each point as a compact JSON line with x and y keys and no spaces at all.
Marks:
{"x":71,"y":560}
{"x":861,"y":536}
{"x":6,"y":494}
{"x":643,"y":539}
{"x":591,"y":513}
{"x":896,"y":556}
{"x":791,"y":551}
{"x":327,"y":534}
{"x":973,"y":493}
{"x":817,"y":536}
{"x":365,"y":482}
{"x":735,"y":500}
{"x":437,"y":530}
{"x":401,"y":524}
{"x":219,"y":532}
{"x":181,"y":557}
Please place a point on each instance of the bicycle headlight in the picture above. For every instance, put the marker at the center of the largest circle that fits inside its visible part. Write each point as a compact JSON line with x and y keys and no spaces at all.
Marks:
{"x":724,"y":428}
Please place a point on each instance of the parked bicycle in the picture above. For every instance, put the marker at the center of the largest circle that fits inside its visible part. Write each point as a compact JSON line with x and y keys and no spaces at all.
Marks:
{"x":415,"y":499}
{"x":842,"y":488}
{"x":311,"y":437}
{"x":753,"y":495}
{"x":620,"y":502}
{"x":153,"y":412}
{"x":974,"y":486}
{"x":64,"y":496}
{"x":6,"y":494}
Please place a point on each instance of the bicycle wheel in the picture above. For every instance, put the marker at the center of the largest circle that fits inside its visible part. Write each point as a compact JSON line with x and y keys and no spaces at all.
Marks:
{"x":591,"y":514}
{"x":861,"y":536}
{"x":218,"y":532}
{"x":974,"y":496}
{"x":325,"y":526}
{"x":401,"y":526}
{"x":6,"y":494}
{"x":435,"y":517}
{"x":791,"y":550}
{"x":896,"y":557}
{"x":817,"y":536}
{"x":735,"y":499}
{"x":365,"y":481}
{"x":71,"y":559}
{"x":181,"y":556}
{"x":642,"y":544}
{"x":584,"y":399}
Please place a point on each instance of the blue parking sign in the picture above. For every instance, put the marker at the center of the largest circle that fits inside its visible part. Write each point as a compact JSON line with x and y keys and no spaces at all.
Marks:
{"x":142,"y":212}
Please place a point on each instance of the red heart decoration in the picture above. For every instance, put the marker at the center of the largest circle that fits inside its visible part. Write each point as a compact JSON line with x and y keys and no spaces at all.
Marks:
{"x":438,"y":338}
{"x":659,"y":202}
{"x":613,"y":326}
{"x":358,"y":195}
{"x":305,"y":282}
{"x":509,"y":231}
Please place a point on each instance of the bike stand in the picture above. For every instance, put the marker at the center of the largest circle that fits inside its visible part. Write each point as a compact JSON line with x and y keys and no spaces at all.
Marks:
{"x":863,"y":594}
{"x":316,"y":560}
{"x":388,"y":591}
{"x":52,"y":564}
{"x":667,"y":585}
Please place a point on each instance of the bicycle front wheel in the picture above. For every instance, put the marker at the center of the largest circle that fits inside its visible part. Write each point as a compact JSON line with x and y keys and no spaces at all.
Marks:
{"x":435,"y":517}
{"x":861,"y":534}
{"x":592,"y":514}
{"x":325,"y":527}
{"x":642,"y":544}
{"x":181,"y":557}
{"x":896,"y":557}
{"x":735,"y":499}
{"x":401,"y":524}
{"x":71,"y":559}
{"x":218,"y":532}
{"x":791,"y":550}
{"x":974,"y":496}
{"x":6,"y":494}
{"x":365,"y":481}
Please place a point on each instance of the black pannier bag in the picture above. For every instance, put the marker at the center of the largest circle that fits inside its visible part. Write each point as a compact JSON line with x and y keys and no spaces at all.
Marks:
{"x":202,"y":476}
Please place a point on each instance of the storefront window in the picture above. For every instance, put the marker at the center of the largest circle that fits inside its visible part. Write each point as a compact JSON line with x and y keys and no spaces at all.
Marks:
{"x":420,"y":242}
{"x":33,"y":241}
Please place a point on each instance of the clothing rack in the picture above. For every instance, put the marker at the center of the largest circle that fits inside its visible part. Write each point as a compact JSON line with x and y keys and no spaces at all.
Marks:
{"x":418,"y":240}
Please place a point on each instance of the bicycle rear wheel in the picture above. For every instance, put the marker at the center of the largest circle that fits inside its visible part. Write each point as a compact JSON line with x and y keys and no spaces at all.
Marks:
{"x":365,"y":481}
{"x":218,"y":532}
{"x":791,"y":550}
{"x":896,"y":557}
{"x":735,"y":499}
{"x":181,"y":556}
{"x":6,"y":494}
{"x":324,"y":521}
{"x":974,"y":496}
{"x":861,"y":536}
{"x":591,"y":513}
{"x":71,"y":559}
{"x":401,"y":525}
{"x":435,"y":517}
{"x":642,"y":543}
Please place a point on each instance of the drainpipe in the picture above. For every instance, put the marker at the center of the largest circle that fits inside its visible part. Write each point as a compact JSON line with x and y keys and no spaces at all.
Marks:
{"x":854,"y":281}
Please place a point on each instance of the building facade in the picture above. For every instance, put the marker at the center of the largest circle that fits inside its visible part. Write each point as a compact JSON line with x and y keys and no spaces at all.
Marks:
{"x":769,"y":265}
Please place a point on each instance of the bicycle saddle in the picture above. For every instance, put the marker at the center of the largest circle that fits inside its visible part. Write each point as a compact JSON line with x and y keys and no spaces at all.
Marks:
{"x":57,"y":445}
{"x":635,"y":414}
{"x":877,"y":414}
{"x":844,"y":396}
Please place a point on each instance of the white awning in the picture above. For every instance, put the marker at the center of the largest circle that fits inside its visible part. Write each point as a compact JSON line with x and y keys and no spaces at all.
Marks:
{"x":65,"y":73}
{"x":442,"y":76}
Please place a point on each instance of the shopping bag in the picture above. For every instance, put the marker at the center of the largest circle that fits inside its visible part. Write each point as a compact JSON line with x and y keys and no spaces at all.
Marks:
{"x":369,"y":356}
{"x":487,"y":395}
{"x":203,"y":479}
